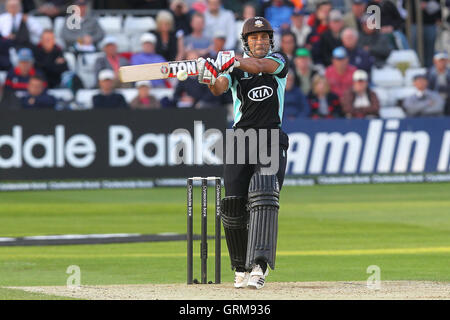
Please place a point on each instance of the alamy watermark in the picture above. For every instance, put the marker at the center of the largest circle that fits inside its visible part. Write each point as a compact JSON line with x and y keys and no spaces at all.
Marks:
{"x":374,"y":280}
{"x":73,"y":22}
{"x":373,"y":17}
{"x":74,"y":279}
{"x":249,"y":146}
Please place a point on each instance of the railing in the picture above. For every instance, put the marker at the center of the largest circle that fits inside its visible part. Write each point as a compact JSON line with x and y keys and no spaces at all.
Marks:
{"x":125,"y":12}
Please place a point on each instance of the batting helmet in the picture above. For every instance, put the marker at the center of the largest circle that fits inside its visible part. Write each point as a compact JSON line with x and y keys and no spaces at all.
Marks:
{"x":256,"y":24}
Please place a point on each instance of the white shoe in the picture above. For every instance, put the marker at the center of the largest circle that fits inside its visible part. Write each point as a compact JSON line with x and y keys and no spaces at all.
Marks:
{"x":257,"y":277}
{"x":241,"y":279}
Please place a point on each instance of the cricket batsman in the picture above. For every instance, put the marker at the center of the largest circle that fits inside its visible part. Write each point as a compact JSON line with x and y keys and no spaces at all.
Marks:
{"x":250,"y":208}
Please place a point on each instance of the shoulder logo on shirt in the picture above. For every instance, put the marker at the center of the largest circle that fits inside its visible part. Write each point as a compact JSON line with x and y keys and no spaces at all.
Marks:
{"x":260,"y":93}
{"x":278,"y":56}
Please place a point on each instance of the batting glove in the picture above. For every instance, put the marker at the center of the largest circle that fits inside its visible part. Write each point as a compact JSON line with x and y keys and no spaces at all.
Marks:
{"x":226,"y":61}
{"x":207,"y":71}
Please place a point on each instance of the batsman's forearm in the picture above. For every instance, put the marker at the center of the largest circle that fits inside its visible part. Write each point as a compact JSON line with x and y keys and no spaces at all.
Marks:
{"x":251,"y":65}
{"x":219,"y":87}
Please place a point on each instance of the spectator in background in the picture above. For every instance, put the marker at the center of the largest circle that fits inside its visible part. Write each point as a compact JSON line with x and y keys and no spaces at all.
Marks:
{"x":237,"y":6}
{"x":357,"y":56}
{"x":288,"y":45}
{"x":248,"y":11}
{"x":149,"y":4}
{"x":304,"y":69}
{"x":295,"y":103}
{"x":192,"y":94}
{"x":18,"y":77}
{"x":5,"y":45}
{"x":391,"y":23}
{"x":180,"y":12}
{"x":439,"y":78}
{"x":111,"y":59}
{"x":148,"y":55}
{"x":169,"y":43}
{"x":445,"y":27}
{"x":375,"y":43}
{"x":323,"y":102}
{"x":431,"y":15}
{"x":28,"y":5}
{"x":144,"y":100}
{"x":318,"y":21}
{"x":299,"y":27}
{"x":340,"y":73}
{"x":360,"y":101}
{"x":53,"y":8}
{"x":218,"y":44}
{"x":50,"y":59}
{"x":108,"y":98}
{"x":392,"y":20}
{"x":197,"y":39}
{"x":36,"y":96}
{"x":222,"y":19}
{"x":198,"y":5}
{"x":19,"y":27}
{"x":353,"y":18}
{"x":423,"y":102}
{"x":279,"y":15}
{"x":88,"y":35}
{"x":342,"y":5}
{"x":329,"y":40}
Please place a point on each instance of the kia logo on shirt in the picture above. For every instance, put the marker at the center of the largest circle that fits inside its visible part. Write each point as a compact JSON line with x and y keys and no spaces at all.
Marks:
{"x":260,"y":93}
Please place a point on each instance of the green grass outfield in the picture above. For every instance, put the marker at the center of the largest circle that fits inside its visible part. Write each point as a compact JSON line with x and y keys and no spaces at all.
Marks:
{"x":326,"y":233}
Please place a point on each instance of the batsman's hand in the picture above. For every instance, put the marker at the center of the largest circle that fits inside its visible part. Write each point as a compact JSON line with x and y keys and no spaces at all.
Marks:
{"x":207,"y":71}
{"x":226,"y":61}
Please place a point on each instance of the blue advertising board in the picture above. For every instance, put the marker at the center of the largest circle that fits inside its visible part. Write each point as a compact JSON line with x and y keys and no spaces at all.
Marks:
{"x":388,"y":146}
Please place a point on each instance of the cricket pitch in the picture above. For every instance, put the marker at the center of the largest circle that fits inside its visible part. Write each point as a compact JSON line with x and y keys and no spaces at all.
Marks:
{"x":392,"y":290}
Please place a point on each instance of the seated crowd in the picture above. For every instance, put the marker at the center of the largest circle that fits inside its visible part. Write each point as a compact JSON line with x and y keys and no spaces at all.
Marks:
{"x":332,"y":53}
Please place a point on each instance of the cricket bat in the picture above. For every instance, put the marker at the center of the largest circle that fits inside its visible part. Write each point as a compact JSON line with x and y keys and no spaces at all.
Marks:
{"x":155,"y":71}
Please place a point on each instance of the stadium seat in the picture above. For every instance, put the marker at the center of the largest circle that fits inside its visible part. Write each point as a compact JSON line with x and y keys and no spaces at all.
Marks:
{"x":392,"y":112}
{"x":86,"y":68}
{"x":383,"y":96}
{"x":84,"y":97}
{"x":89,"y":79}
{"x":111,"y":24}
{"x":58,"y":25}
{"x":44,"y":21}
{"x":71,"y":60}
{"x":160,"y":93}
{"x":57,"y":29}
{"x":60,"y":42}
{"x":123,"y":42}
{"x":61,"y":94}
{"x":411,"y":72}
{"x":3,"y":75}
{"x":133,"y":25}
{"x":86,"y":61}
{"x":399,"y":94}
{"x":238,"y":28}
{"x":400,"y":56}
{"x":129,"y":94}
{"x":387,"y":77}
{"x":13,"y":56}
{"x":135,"y":43}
